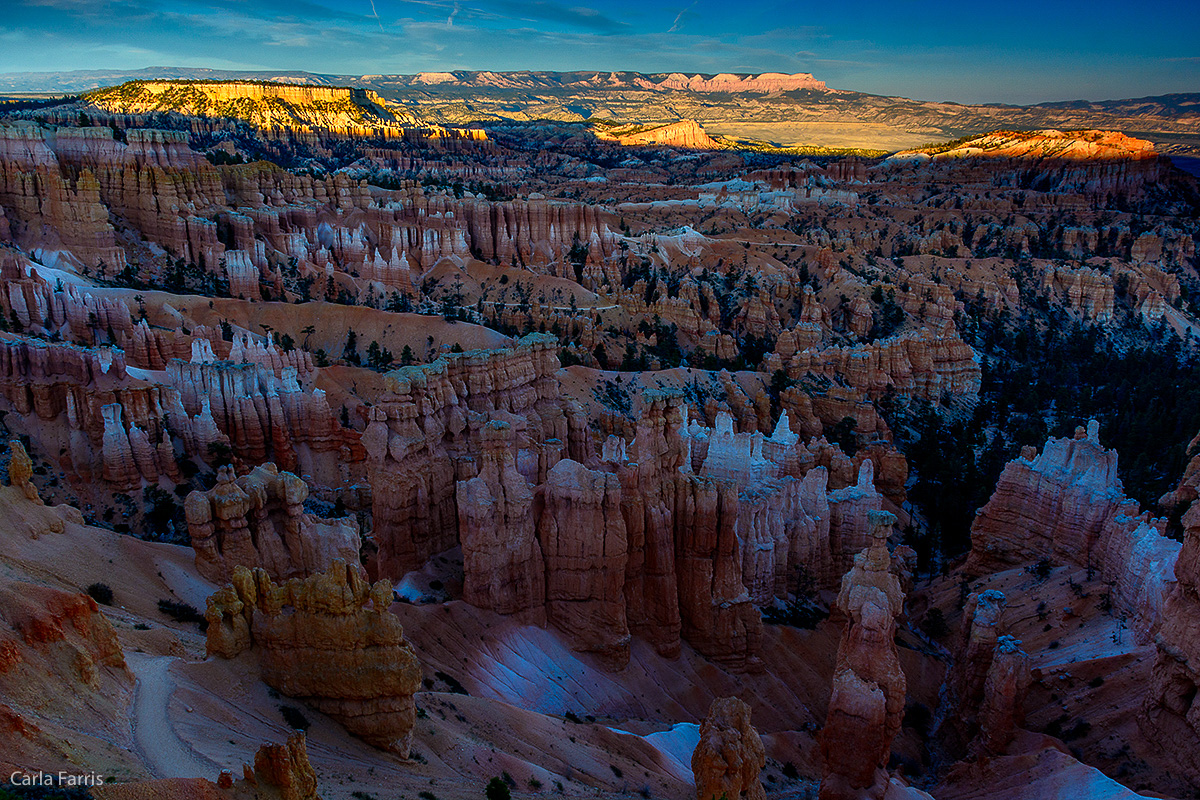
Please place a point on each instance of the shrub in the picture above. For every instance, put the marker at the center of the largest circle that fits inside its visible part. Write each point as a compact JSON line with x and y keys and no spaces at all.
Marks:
{"x":452,"y":684}
{"x":295,"y":718}
{"x":182,"y":612}
{"x":799,"y":613}
{"x":934,"y":624}
{"x":101,"y":593}
{"x":497,"y":789}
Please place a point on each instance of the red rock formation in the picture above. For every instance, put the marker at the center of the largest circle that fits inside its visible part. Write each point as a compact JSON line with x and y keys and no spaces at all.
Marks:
{"x":986,"y":684}
{"x":425,"y":432}
{"x":1003,"y":709}
{"x":502,"y":559}
{"x":258,"y":520}
{"x":328,"y":639}
{"x":1170,"y":715}
{"x":850,"y":518}
{"x":725,"y":82}
{"x":648,"y":491}
{"x":729,"y":758}
{"x":20,"y":470}
{"x":867,"y":704}
{"x":716,"y":612}
{"x":54,"y":646}
{"x":259,"y":414}
{"x":280,"y":772}
{"x":1068,"y":505}
{"x":586,"y":550}
{"x":920,"y":363}
{"x":687,"y":133}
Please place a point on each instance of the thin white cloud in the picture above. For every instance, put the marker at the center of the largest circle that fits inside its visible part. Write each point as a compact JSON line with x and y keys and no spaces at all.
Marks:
{"x":375,"y":14}
{"x":679,"y":17}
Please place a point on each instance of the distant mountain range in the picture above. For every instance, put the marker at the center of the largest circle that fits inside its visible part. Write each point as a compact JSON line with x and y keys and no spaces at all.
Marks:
{"x":83,"y":80}
{"x":772,"y":107}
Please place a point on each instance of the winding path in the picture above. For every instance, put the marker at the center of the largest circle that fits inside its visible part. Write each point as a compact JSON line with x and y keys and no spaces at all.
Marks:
{"x":164,"y":753}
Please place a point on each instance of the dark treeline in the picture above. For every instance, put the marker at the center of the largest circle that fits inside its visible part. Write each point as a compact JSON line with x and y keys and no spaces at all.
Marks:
{"x":1041,"y":380}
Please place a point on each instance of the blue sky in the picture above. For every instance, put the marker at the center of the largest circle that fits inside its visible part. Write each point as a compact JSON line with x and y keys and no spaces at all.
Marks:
{"x":966,"y":50}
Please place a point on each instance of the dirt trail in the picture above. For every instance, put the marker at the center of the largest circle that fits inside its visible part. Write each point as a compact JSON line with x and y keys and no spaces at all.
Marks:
{"x":164,"y":753}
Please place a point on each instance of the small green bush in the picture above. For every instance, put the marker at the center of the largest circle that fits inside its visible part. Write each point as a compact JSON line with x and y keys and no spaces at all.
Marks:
{"x":497,"y":789}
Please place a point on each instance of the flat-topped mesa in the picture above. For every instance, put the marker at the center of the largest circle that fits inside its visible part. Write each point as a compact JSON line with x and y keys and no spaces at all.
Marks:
{"x":686,"y":133}
{"x":258,"y":520}
{"x":1077,"y":162}
{"x":867,"y":704}
{"x":757,"y":84}
{"x":264,"y":105}
{"x":1067,"y":504}
{"x":328,"y":639}
{"x":729,"y":758}
{"x":1089,"y":145}
{"x":1170,"y":715}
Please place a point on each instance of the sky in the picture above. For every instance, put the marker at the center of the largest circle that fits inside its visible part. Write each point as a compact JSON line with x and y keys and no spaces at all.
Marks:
{"x":965,"y":51}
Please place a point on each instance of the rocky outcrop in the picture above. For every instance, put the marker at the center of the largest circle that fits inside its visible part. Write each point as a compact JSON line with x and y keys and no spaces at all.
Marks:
{"x":681,"y":534}
{"x":503,"y":568}
{"x":280,"y":772}
{"x":986,"y":685}
{"x":850,"y":521}
{"x":687,"y":134}
{"x":20,"y":470}
{"x":729,"y":758}
{"x":56,"y":648}
{"x":426,"y":431}
{"x":919,"y":363}
{"x":258,"y":520}
{"x":1067,"y":504}
{"x":867,"y":704}
{"x":586,"y":551}
{"x":260,"y":412}
{"x":1170,"y":715}
{"x":1002,"y":711}
{"x":328,"y":639}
